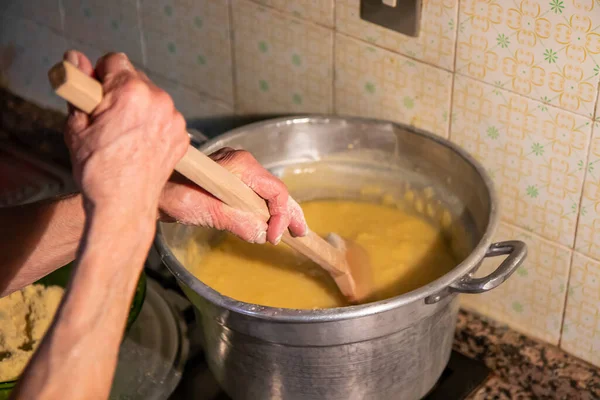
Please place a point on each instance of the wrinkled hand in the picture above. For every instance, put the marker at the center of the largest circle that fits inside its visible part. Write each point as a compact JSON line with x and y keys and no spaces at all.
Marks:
{"x":186,"y":203}
{"x":125,"y":151}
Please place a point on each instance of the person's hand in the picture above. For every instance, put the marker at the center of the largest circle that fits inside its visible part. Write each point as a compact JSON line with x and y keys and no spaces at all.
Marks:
{"x":155,"y":123}
{"x":184,"y":202}
{"x":125,"y":150}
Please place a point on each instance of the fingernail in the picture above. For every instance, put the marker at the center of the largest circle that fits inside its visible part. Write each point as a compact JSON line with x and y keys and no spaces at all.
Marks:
{"x":124,"y":61}
{"x":305,"y":231}
{"x":122,"y":56}
{"x":71,"y":57}
{"x":278,"y":239}
{"x":261,"y":238}
{"x":302,"y":233}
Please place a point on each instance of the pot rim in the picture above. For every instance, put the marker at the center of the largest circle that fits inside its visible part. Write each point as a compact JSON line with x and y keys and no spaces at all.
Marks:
{"x":274,"y":314}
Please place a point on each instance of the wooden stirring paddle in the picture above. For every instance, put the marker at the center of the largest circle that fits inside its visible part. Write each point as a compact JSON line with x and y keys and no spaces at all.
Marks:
{"x":344,"y":260}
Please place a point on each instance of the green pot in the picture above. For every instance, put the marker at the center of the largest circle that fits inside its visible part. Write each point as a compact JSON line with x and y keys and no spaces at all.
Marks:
{"x":60,"y":277}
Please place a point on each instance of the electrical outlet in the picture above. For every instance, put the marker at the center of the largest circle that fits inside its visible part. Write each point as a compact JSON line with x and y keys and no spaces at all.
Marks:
{"x":402,"y":16}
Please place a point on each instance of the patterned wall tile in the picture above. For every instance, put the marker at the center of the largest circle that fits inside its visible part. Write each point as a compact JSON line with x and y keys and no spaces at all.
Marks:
{"x":27,"y":51}
{"x":107,"y":25}
{"x":189,"y":103}
{"x":190,"y":42}
{"x":435,"y":43}
{"x":534,"y":152}
{"x":581,"y":327}
{"x":532,"y":300}
{"x":282,"y":64}
{"x":546,"y":50}
{"x":377,"y":83}
{"x":44,"y":12}
{"x":319,"y":11}
{"x":588,"y":229}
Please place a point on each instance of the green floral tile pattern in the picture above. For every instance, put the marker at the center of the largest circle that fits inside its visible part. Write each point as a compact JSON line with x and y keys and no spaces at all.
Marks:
{"x":377,"y":83}
{"x":588,"y":230}
{"x":32,"y":49}
{"x":44,"y":12}
{"x":190,"y":41}
{"x":581,"y":327}
{"x":533,"y":151}
{"x":189,"y":102}
{"x":532,"y":300}
{"x":109,"y":26}
{"x":283,"y":64}
{"x":318,"y":11}
{"x":535,"y":48}
{"x":434,"y":45}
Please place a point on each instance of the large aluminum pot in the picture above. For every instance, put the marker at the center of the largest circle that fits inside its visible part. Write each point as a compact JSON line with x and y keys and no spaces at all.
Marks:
{"x":392,"y":349}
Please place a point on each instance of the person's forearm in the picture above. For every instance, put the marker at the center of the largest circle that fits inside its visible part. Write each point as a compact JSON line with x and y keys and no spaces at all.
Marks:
{"x":36,"y":239}
{"x":82,"y":344}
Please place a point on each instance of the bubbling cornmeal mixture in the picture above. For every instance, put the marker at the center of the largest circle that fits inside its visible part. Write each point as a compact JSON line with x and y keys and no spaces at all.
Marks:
{"x":25,"y":316}
{"x":406,"y":253}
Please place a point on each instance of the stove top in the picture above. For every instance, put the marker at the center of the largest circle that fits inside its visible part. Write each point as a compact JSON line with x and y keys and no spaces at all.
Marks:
{"x":461,"y":377}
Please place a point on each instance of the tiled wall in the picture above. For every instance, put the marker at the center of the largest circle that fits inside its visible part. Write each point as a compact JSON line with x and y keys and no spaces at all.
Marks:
{"x":516,"y":83}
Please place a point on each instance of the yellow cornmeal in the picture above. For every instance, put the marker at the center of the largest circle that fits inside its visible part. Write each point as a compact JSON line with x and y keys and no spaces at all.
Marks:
{"x":25,"y":316}
{"x":406,"y":253}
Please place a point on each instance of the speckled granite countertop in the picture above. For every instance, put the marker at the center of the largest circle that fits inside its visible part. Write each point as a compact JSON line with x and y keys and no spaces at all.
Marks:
{"x":522,"y":368}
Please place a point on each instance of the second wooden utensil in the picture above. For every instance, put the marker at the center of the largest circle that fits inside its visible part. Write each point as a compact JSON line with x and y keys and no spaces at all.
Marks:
{"x":345,"y":261}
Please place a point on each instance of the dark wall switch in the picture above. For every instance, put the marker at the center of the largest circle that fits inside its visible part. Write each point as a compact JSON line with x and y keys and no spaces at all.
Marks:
{"x":402,"y":16}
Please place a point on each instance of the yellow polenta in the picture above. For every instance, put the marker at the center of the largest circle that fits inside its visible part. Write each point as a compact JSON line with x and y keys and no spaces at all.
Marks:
{"x":406,"y":253}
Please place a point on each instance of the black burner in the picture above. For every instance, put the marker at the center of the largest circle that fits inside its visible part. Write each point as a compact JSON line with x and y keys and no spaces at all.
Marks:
{"x":460,"y":378}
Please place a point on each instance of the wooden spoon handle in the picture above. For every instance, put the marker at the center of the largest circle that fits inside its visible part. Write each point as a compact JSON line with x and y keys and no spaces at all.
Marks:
{"x":86,"y":93}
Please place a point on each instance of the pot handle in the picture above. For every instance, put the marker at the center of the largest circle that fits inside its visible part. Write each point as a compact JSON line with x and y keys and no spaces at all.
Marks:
{"x":197,"y":138}
{"x":517,"y":252}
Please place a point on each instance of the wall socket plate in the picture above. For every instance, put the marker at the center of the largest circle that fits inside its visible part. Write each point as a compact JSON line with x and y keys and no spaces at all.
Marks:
{"x":402,"y":16}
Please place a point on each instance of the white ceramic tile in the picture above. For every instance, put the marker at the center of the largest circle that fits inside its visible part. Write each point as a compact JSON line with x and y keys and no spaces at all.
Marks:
{"x":435,"y":43}
{"x":535,"y":153}
{"x":588,"y":229}
{"x":27,"y":51}
{"x":44,"y":12}
{"x":532,"y":300}
{"x":110,"y":26}
{"x":546,"y":50}
{"x":190,"y":42}
{"x":191,"y":20}
{"x":581,"y":326}
{"x":282,"y":64}
{"x":189,"y":103}
{"x":377,"y":83}
{"x":318,"y":11}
